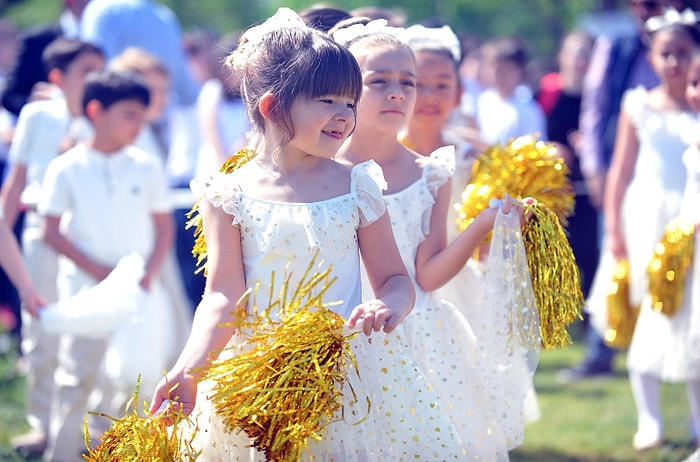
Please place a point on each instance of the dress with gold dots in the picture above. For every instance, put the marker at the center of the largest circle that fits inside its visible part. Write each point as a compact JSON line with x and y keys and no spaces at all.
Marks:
{"x":406,"y":421}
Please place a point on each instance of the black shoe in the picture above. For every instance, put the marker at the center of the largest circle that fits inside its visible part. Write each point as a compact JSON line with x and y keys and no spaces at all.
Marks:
{"x":583,"y":372}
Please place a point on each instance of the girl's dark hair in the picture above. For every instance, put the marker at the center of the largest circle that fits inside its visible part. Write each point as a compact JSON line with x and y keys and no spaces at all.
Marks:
{"x":290,"y":63}
{"x":110,"y":87}
{"x":62,"y":52}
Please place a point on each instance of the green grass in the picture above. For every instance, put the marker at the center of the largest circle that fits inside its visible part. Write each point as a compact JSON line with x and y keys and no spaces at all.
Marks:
{"x":583,"y":421}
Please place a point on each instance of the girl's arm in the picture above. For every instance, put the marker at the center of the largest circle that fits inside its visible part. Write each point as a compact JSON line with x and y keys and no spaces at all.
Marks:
{"x":165,"y":236}
{"x":212,"y":325}
{"x":52,"y":235}
{"x":618,"y":178}
{"x":12,"y":262}
{"x":437,"y":262}
{"x":392,"y":286}
{"x":11,"y":191}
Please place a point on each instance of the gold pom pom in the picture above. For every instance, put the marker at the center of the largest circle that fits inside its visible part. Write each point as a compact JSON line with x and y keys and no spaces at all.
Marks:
{"x":199,"y":249}
{"x":147,"y":439}
{"x":622,"y":317}
{"x":554,"y":274}
{"x":284,"y":385}
{"x":522,"y":168}
{"x":673,"y":255}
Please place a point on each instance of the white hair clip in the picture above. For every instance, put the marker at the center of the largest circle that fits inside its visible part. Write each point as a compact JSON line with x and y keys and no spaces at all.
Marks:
{"x":687,"y":17}
{"x":251,"y":38}
{"x":348,"y":34}
{"x":420,"y":38}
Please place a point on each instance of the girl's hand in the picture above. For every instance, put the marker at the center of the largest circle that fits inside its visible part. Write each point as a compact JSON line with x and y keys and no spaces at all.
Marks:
{"x":175,"y":392}
{"x":31,"y":300}
{"x":615,"y":242}
{"x":146,"y":282}
{"x":374,"y":315}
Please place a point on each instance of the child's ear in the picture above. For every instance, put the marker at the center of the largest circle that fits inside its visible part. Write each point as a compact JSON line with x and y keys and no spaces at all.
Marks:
{"x":268,"y":106}
{"x":55,"y":76}
{"x":93,"y":109}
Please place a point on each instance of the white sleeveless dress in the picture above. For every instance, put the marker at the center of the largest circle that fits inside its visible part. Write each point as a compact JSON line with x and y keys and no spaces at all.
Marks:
{"x":651,"y":201}
{"x":669,"y":347}
{"x":407,"y":421}
{"x":441,"y":339}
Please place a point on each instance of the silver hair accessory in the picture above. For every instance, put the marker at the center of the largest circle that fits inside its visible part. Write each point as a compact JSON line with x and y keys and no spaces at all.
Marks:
{"x":671,"y":16}
{"x":348,"y":34}
{"x":251,"y":38}
{"x":420,"y":38}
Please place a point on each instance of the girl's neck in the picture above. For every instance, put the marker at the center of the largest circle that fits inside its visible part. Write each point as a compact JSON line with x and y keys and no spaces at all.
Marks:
{"x":673,"y":97}
{"x":421,"y":140}
{"x":285,"y":160}
{"x":364,"y":145}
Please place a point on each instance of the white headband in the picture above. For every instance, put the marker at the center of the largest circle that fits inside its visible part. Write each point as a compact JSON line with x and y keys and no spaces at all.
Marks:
{"x":671,"y":16}
{"x":434,"y":38}
{"x":251,"y":38}
{"x":348,"y":34}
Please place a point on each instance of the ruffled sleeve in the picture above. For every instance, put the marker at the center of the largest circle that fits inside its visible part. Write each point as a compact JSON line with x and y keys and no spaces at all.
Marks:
{"x":633,"y":103}
{"x":368,"y":183}
{"x":220,"y":190}
{"x":438,"y":167}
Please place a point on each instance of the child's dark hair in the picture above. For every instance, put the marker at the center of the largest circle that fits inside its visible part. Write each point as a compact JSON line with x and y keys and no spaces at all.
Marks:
{"x":511,"y":49}
{"x":109,"y":87}
{"x":293,"y":62}
{"x":60,"y":53}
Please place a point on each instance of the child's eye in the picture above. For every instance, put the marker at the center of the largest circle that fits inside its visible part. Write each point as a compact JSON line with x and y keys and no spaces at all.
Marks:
{"x":326,"y":100}
{"x":350,"y":105}
{"x":409,"y":83}
{"x":377,"y":81}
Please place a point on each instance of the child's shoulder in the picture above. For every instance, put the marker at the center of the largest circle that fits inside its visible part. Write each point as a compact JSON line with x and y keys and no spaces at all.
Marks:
{"x":45,"y":109}
{"x":142,"y":156}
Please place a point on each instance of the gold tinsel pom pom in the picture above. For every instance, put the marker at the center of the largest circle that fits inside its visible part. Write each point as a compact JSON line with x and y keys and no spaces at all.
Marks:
{"x":554,"y":274}
{"x":284,"y":384}
{"x":622,"y":317}
{"x":199,"y":249}
{"x":522,"y":168}
{"x":673,"y":255}
{"x":146,"y":439}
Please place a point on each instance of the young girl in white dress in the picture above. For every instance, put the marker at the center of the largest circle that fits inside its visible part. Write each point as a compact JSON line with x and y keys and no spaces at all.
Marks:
{"x":437,"y":52}
{"x":686,"y":331}
{"x":293,"y":201}
{"x":418,"y":198}
{"x":643,"y":194}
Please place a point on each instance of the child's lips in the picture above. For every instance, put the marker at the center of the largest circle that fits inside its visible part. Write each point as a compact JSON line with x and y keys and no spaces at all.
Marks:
{"x":337,"y":134}
{"x":429,"y":110}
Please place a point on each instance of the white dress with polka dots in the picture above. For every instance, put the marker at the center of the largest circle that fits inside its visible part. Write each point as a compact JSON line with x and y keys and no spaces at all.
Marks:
{"x":439,"y":337}
{"x":406,"y":420}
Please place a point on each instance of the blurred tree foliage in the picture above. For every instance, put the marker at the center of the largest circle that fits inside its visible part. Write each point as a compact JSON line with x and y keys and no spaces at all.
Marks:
{"x":540,"y":22}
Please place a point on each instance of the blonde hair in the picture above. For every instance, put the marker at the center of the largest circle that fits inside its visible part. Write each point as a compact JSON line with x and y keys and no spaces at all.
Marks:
{"x":137,"y":60}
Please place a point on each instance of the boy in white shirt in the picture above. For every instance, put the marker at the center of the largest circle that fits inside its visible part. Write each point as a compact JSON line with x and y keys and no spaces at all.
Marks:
{"x":45,"y":128}
{"x":507,"y":109}
{"x":101,"y":201}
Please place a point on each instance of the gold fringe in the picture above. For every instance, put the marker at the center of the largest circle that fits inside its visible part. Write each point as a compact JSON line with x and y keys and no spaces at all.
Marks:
{"x":289,"y":386}
{"x":673,"y":255}
{"x":622,"y":316}
{"x":146,"y":439}
{"x":554,"y":273}
{"x":522,"y":168}
{"x":199,"y":249}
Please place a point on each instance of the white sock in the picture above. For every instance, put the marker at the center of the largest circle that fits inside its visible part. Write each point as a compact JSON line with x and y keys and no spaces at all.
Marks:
{"x":646,"y":393}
